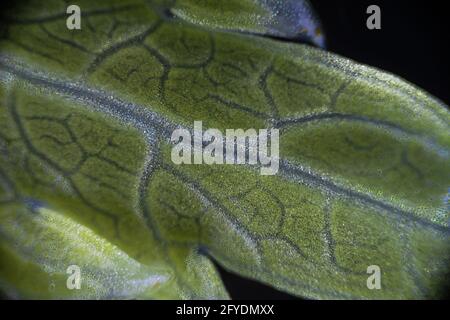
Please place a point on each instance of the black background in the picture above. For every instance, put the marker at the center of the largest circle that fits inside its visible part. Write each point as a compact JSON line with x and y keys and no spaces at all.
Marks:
{"x":412,"y":43}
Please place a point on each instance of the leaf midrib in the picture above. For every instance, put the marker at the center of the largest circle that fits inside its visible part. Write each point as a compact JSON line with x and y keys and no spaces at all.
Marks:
{"x":149,"y":122}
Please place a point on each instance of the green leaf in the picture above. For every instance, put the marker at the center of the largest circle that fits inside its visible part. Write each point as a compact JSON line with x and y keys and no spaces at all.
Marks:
{"x":56,"y":240}
{"x":86,"y":176}
{"x":291,"y":19}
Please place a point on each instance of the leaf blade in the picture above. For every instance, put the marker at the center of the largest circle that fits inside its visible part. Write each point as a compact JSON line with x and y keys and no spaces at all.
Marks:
{"x":320,"y":215}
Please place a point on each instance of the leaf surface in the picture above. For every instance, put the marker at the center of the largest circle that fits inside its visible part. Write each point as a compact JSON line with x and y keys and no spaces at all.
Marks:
{"x":86,"y":119}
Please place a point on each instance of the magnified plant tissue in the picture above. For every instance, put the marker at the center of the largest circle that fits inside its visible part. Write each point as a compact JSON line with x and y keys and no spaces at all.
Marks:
{"x":92,"y":204}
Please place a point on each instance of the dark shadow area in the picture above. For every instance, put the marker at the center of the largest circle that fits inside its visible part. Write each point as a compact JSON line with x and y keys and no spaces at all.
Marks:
{"x":412,"y":43}
{"x":241,"y":288}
